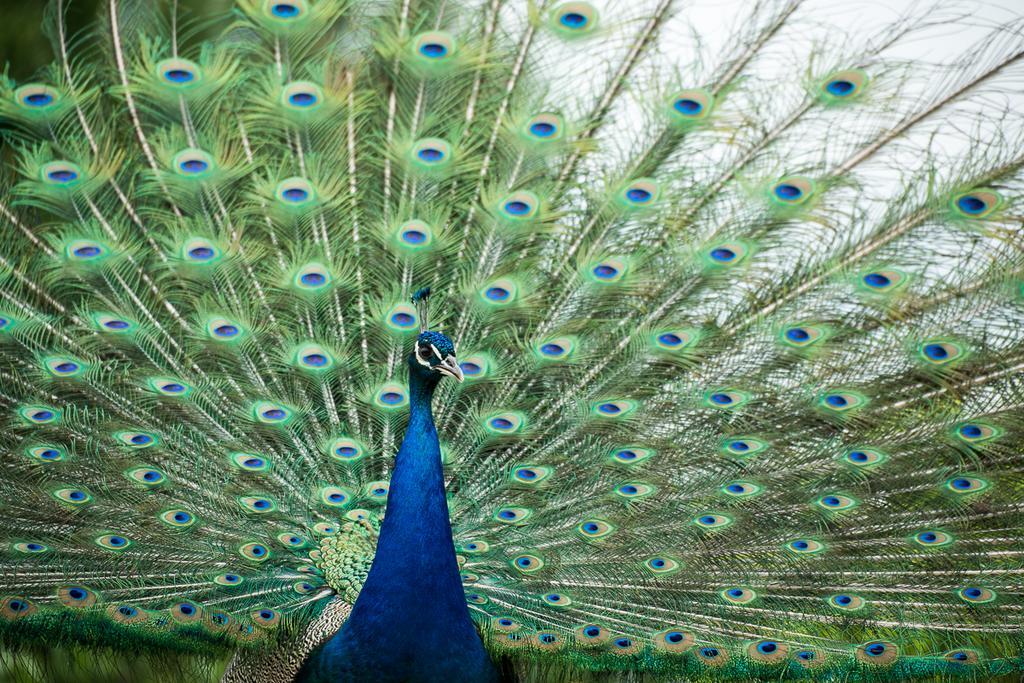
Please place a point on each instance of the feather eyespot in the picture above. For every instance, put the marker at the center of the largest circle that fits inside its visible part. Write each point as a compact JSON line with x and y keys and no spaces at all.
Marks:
{"x":73,"y":496}
{"x":295,"y":193}
{"x":976,"y":595}
{"x":673,"y":641}
{"x":179,"y":519}
{"x":37,"y":97}
{"x":591,"y":635}
{"x":932,"y":538}
{"x":519,"y":207}
{"x":431,"y":154}
{"x":434,"y":47}
{"x":302,"y":96}
{"x":616,"y":408}
{"x":254,"y":551}
{"x":285,"y":11}
{"x":976,"y":432}
{"x":976,"y":204}
{"x":661,"y":565}
{"x":738,"y":596}
{"x":85,"y":252}
{"x":630,"y":455}
{"x":805,"y":546}
{"x":741,"y":489}
{"x":193,"y":163}
{"x":767,"y":651}
{"x":512,"y":515}
{"x":574,"y":19}
{"x":743,"y":446}
{"x":792,"y":191}
{"x":61,"y":174}
{"x":228,"y":579}
{"x":712,"y":521}
{"x":148,"y":477}
{"x":594,"y":529}
{"x":690,"y":106}
{"x":835,"y":502}
{"x":266,"y":618}
{"x":712,"y":655}
{"x":558,"y":600}
{"x":640,"y":194}
{"x":46,"y":453}
{"x":335,"y":496}
{"x":504,"y":423}
{"x":877,"y":653}
{"x":864,"y":457}
{"x":346,"y":449}
{"x":842,"y":401}
{"x":76,"y":597}
{"x":13,"y":608}
{"x":842,"y":86}
{"x":30,"y":547}
{"x":39,"y":414}
{"x":847,"y":602}
{"x":634,"y":490}
{"x":113,"y":542}
{"x":292,"y":540}
{"x":527,"y":563}
{"x":178,"y":74}
{"x":963,"y":484}
{"x":726,"y":398}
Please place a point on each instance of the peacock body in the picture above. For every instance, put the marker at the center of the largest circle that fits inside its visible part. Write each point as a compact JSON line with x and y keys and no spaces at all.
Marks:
{"x":720,"y":378}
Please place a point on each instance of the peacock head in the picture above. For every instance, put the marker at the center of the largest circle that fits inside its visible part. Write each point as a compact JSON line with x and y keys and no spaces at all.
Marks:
{"x":435,"y":353}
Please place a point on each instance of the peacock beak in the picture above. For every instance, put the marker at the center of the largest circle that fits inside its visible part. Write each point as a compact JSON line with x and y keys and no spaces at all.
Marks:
{"x":450,"y":367}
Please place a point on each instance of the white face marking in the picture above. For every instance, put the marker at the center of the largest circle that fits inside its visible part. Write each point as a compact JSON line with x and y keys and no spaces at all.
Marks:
{"x":436,"y":352}
{"x":425,"y":362}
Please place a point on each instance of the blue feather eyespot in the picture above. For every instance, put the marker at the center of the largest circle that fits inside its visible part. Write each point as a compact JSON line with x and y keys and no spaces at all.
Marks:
{"x":73,"y":496}
{"x":346,"y":449}
{"x":63,"y":367}
{"x":547,"y":640}
{"x":376,"y":491}
{"x":634,"y":490}
{"x":505,"y":624}
{"x":742,"y":489}
{"x":302,"y":96}
{"x":37,"y":97}
{"x":270,"y":413}
{"x":574,"y":19}
{"x":881,"y":281}
{"x":842,"y":86}
{"x":726,"y":255}
{"x":224,"y":330}
{"x":743,"y":446}
{"x":228,"y":579}
{"x":303,"y":587}
{"x":976,"y":432}
{"x":335,"y":496}
{"x":662,"y":565}
{"x":126,"y":614}
{"x":250,"y":462}
{"x":199,"y":251}
{"x":285,"y":12}
{"x":712,"y":521}
{"x":963,"y":484}
{"x":932,"y":538}
{"x":185,"y":612}
{"x":193,"y":163}
{"x":864,"y":457}
{"x":530,"y":475}
{"x":414,"y":235}
{"x":962,"y":656}
{"x":290,"y":539}
{"x":847,"y":602}
{"x":976,"y":203}
{"x":169,"y":386}
{"x":613,"y":408}
{"x":148,"y":477}
{"x":512,"y":515}
{"x":504,"y":423}
{"x":738,"y":596}
{"x":39,"y":414}
{"x":726,"y":398}
{"x":842,"y":401}
{"x":61,"y":174}
{"x":557,"y":348}
{"x":500,"y":292}
{"x":402,"y":318}
{"x":178,"y":74}
{"x":325,"y":528}
{"x":594,"y":529}
{"x":687,"y":107}
{"x":113,"y":541}
{"x":257,"y":504}
{"x":803,"y":335}
{"x":110,"y":323}
{"x":940,"y":352}
{"x":591,"y":635}
{"x":640,"y":194}
{"x":7,"y":323}
{"x":178,"y":519}
{"x":544,"y":128}
{"x":559,"y":600}
{"x":630,"y":455}
{"x":835,"y":502}
{"x":46,"y":453}
{"x":76,"y":597}
{"x":767,"y":651}
{"x":527,"y":563}
{"x":391,"y":396}
{"x":624,"y":645}
{"x":312,"y":277}
{"x":84,"y":251}
{"x":433,"y":48}
{"x":976,"y":595}
{"x":295,"y":193}
{"x":607,"y":270}
{"x":712,"y":655}
{"x":13,"y":608}
{"x":266,"y":618}
{"x":877,"y":653}
{"x":673,"y":640}
{"x":254,"y":551}
{"x":809,"y":658}
{"x":475,"y":547}
{"x":792,"y":191}
{"x":313,"y":358}
{"x":519,"y":206}
{"x":805,"y":546}
{"x":30,"y":547}
{"x":430,"y":154}
{"x":475,"y":366}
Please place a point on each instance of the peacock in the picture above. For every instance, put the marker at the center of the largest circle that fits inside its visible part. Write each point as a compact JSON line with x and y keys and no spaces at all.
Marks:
{"x":456,"y":340}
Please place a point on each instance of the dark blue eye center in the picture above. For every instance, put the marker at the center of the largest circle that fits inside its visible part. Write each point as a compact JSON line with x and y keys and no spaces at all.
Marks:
{"x":707,"y":519}
{"x":266,"y":614}
{"x":591,"y":527}
{"x":844,"y":599}
{"x":116,"y":324}
{"x":403,"y":319}
{"x":274,"y":414}
{"x":739,"y":446}
{"x":430,"y":154}
{"x":688,"y":107}
{"x":971,"y":204}
{"x":66,"y":367}
{"x":313,"y":279}
{"x":201,"y":253}
{"x":836,"y":400}
{"x":626,"y":455}
{"x":552,"y":349}
{"x":76,"y":495}
{"x":182,"y":517}
{"x":527,"y":474}
{"x":592,"y":631}
{"x":497,"y":293}
{"x":194,"y":165}
{"x":840,"y":87}
{"x":875,"y":649}
{"x":433,"y":50}
{"x":76,"y":593}
{"x":173,"y":388}
{"x":831,"y":501}
{"x":801,"y":545}
{"x":517,"y":208}
{"x":605,"y":271}
{"x":806,"y":655}
{"x":33,"y":546}
{"x":127,"y":611}
{"x":543,"y":129}
{"x":346,"y":451}
{"x":87,"y":251}
{"x":877,"y":280}
{"x":258,"y":550}
{"x":674,"y":637}
{"x":469,"y":368}
{"x":39,"y":99}
{"x":117,"y":540}
{"x":936,"y":351}
{"x":179,"y":75}
{"x":505,"y":622}
{"x":42,"y":414}
{"x":414,"y":237}
{"x":391,"y":397}
{"x":151,"y":476}
{"x":797,"y":334}
{"x":787,"y":191}
{"x":49,"y":454}
{"x":928,"y":537}
{"x":302,"y":99}
{"x":315,"y":359}
{"x":573,"y":20}
{"x":63,"y":175}
{"x":721,"y":399}
{"x":959,"y":656}
{"x":501,"y":423}
{"x":623,"y":642}
{"x":658,"y":563}
{"x":736,"y":488}
{"x":767,"y":647}
{"x":859,"y":456}
{"x":971,"y":431}
{"x":609,"y":408}
{"x":973,"y":592}
{"x":723,"y":254}
{"x":639,"y":195}
{"x":709,"y":652}
{"x":962,"y":483}
{"x":295,"y":194}
{"x":736,"y":592}
{"x":226,"y":331}
{"x":284,"y":10}
{"x":140,"y":439}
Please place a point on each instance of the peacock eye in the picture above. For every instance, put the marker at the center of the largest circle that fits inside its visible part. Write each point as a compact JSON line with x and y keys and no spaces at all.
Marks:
{"x":424,"y":352}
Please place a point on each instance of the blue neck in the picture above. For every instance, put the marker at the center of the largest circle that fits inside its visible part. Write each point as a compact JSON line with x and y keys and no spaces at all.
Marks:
{"x":410,"y":622}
